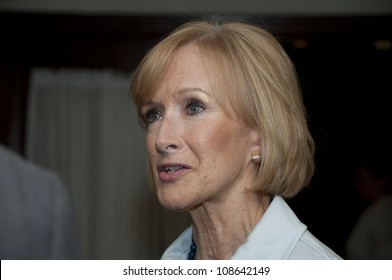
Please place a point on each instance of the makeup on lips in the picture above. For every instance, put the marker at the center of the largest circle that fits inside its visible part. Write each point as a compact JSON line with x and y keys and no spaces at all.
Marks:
{"x":169,"y":172}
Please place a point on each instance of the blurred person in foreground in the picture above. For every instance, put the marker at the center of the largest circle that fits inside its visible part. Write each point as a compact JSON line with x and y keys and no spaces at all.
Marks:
{"x":36,"y":220}
{"x":227,"y":141}
{"x":371,"y":237}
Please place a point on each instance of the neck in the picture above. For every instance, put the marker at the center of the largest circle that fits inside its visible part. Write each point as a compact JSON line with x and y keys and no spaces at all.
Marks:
{"x":220,"y":228}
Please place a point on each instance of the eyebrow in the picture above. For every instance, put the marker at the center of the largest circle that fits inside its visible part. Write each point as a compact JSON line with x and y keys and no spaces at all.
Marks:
{"x":191,"y":89}
{"x":181,"y":91}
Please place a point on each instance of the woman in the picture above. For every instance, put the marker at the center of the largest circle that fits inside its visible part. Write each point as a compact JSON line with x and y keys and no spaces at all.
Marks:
{"x":227,"y":141}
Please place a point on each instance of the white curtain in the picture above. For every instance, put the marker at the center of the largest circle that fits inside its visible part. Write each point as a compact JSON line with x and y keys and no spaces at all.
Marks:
{"x":82,"y":124}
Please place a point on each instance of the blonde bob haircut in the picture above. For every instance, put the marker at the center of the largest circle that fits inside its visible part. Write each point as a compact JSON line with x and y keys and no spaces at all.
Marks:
{"x":253,"y":80}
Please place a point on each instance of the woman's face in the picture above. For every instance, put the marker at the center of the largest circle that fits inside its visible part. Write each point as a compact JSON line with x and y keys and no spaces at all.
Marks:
{"x":198,"y":153}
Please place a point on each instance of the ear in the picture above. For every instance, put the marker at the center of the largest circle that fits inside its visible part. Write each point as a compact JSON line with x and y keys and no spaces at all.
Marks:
{"x":255,"y":140}
{"x":255,"y":146}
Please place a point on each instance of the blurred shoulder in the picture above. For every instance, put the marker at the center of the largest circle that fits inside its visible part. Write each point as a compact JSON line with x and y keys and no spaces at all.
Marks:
{"x":17,"y":172}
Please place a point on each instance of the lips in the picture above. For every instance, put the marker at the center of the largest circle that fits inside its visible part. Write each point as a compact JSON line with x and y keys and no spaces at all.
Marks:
{"x":170,"y":172}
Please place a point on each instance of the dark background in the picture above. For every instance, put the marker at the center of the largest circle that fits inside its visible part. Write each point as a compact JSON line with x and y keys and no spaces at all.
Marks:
{"x":344,"y":66}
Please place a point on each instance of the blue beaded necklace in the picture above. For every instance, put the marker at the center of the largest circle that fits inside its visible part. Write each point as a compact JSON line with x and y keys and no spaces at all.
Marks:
{"x":192,"y":250}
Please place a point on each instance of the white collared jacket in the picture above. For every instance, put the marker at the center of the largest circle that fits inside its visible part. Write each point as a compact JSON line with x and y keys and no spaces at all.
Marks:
{"x":279,"y":235}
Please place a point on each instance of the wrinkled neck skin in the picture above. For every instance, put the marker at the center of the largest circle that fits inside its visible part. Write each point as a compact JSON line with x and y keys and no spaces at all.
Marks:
{"x":219,"y":229}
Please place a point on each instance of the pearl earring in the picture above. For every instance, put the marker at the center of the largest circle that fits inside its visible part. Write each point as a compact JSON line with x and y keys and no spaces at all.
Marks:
{"x":256,"y":157}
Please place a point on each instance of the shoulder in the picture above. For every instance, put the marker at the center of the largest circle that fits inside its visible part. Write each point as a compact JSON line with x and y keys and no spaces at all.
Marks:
{"x":298,"y":242}
{"x":280,"y":235}
{"x":26,"y":185}
{"x":309,"y":247}
{"x":383,"y":205}
{"x":377,"y":214}
{"x":17,"y":172}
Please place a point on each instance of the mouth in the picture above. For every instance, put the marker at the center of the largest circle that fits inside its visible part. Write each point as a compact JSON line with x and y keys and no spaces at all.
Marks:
{"x":170,"y":172}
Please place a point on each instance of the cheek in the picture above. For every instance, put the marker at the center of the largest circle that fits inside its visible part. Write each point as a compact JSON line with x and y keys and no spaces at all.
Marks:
{"x":223,"y":138}
{"x":152,"y":153}
{"x":213,"y":134}
{"x":215,"y":148}
{"x":150,"y":144}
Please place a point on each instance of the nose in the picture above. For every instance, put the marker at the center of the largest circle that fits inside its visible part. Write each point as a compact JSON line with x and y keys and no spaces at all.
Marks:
{"x":168,"y":138}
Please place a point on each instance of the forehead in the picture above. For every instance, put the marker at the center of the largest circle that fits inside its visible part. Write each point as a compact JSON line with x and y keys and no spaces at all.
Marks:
{"x":185,"y":70}
{"x":191,"y":65}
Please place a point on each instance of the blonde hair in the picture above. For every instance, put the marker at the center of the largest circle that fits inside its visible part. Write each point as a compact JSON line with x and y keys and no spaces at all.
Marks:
{"x":253,"y":77}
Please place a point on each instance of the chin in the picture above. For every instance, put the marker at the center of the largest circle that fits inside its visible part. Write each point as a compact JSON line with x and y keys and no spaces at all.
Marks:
{"x":173,"y":202}
{"x":174,"y":206}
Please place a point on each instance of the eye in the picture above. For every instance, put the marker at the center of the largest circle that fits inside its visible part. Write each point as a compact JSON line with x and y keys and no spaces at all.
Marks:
{"x":194,"y":107}
{"x":152,"y":115}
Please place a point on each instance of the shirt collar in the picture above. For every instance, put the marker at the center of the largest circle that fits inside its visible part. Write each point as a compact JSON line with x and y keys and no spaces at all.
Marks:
{"x":274,"y":237}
